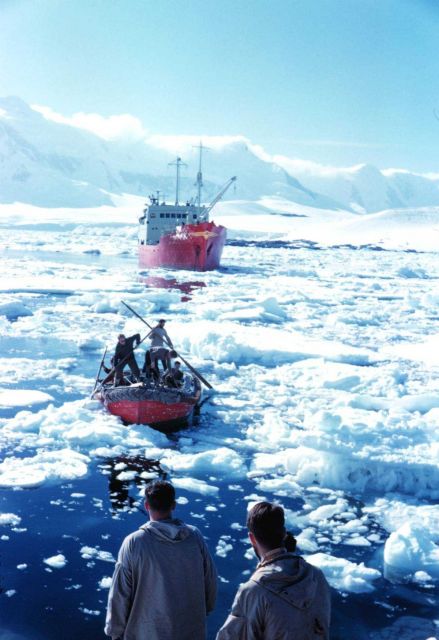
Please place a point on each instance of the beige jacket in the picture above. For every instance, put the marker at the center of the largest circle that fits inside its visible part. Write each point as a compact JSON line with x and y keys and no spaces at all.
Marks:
{"x":159,"y":338}
{"x":285,"y":599}
{"x":163,"y":586}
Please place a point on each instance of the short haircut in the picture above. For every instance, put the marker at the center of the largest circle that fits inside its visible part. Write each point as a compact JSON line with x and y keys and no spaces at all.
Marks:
{"x":160,"y":495}
{"x":266,"y":521}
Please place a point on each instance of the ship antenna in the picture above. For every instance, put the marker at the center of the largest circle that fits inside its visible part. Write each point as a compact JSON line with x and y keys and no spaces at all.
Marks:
{"x":178,"y":163}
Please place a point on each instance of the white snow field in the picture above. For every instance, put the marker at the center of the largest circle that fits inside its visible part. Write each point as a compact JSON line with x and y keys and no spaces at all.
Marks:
{"x":320,"y":336}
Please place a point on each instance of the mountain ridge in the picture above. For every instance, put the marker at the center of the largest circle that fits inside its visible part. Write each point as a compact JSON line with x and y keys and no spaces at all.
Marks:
{"x":51,"y":163}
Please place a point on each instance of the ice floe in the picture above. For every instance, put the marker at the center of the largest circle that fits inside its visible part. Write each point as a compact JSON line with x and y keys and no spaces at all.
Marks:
{"x":345,"y":575}
{"x":23,"y":398}
{"x":411,"y":549}
{"x":56,"y":562}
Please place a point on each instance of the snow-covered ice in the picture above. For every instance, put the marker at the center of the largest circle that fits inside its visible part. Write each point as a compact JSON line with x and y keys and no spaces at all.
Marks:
{"x":22,"y":398}
{"x":56,"y":562}
{"x":344,"y":575}
{"x":319,"y":334}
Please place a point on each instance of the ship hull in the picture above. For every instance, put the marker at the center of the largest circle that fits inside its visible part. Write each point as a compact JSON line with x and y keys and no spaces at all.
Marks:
{"x":197,"y":247}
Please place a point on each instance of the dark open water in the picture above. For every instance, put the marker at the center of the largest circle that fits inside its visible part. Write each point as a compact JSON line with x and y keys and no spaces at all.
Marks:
{"x":54,"y":605}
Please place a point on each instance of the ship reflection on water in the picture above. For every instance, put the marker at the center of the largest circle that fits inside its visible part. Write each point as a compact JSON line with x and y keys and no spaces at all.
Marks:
{"x":157,"y":282}
{"x":126,"y":473}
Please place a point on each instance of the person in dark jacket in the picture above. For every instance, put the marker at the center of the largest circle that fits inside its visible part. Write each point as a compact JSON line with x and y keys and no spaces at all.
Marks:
{"x":175,"y":376}
{"x":124,"y":355}
{"x":286,"y":598}
{"x":164,"y":583}
{"x":150,"y":374}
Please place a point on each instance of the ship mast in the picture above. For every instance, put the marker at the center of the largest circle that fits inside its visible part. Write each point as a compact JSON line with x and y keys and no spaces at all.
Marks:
{"x":178,"y":163}
{"x":200,"y":177}
{"x":199,"y":182}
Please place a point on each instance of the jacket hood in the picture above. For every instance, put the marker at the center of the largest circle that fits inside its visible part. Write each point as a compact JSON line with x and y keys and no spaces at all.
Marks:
{"x":291,"y":578}
{"x":169,"y":530}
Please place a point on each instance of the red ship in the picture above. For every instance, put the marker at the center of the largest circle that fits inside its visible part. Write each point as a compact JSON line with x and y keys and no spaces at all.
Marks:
{"x":180,"y":236}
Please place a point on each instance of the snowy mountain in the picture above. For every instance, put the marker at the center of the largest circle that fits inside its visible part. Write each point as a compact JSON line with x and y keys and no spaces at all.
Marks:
{"x":51,"y":164}
{"x":364,"y":188}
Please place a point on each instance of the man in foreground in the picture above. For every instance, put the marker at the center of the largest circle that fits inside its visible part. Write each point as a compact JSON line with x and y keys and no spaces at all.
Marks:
{"x":286,"y":598}
{"x":164,"y":583}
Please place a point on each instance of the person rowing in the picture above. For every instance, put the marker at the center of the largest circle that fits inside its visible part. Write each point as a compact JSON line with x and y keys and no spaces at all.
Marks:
{"x":124,"y":355}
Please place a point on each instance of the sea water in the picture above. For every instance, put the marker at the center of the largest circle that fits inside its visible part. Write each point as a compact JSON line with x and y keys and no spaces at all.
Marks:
{"x":326,"y":400}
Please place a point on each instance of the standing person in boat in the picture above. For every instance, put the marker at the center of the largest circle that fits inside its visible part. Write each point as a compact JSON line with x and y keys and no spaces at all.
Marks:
{"x":124,"y":355}
{"x":160,"y":341}
{"x":286,"y":598}
{"x":165,"y":582}
{"x":149,"y":373}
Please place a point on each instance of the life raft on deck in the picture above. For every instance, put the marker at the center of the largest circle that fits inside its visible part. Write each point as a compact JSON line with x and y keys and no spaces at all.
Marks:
{"x":155,"y":404}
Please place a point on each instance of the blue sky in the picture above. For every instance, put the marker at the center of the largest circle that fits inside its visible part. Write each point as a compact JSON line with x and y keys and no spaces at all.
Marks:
{"x":334,"y":81}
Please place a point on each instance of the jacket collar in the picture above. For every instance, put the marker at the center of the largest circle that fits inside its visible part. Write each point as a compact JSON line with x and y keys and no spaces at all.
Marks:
{"x":272,"y":556}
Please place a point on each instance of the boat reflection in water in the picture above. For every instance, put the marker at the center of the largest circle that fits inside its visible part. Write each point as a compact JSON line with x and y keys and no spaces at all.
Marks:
{"x":156,"y":282}
{"x":126,"y":473}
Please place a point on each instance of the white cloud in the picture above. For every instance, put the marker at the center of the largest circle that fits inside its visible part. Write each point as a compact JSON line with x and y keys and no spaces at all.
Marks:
{"x":184,"y":143}
{"x":109,"y":128}
{"x":392,"y":172}
{"x":3,"y":113}
{"x":340,"y":143}
{"x":297,"y":166}
{"x":430,"y":175}
{"x":128,"y":127}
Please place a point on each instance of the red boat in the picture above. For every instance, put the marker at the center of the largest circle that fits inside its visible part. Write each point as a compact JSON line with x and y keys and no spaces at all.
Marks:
{"x":164,"y":408}
{"x":180,"y":236}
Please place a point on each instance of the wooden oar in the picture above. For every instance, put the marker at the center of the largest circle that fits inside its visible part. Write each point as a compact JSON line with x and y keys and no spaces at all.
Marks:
{"x":189,"y":366}
{"x":99,"y":372}
{"x":113,"y":369}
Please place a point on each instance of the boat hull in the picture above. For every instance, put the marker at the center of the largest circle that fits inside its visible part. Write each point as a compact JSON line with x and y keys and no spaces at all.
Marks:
{"x":197,"y":247}
{"x":161,"y":408}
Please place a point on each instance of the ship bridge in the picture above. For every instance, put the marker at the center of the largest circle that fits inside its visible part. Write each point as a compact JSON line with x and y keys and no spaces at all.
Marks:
{"x":160,"y":219}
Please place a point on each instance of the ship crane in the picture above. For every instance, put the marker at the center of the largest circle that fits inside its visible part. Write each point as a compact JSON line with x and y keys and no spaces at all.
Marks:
{"x":219,"y":195}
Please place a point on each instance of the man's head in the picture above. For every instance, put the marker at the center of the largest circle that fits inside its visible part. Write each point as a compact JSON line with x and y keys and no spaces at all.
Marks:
{"x":159,"y":499}
{"x":121,"y":338}
{"x":266,"y":525}
{"x":177,"y":364}
{"x":162,"y":322}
